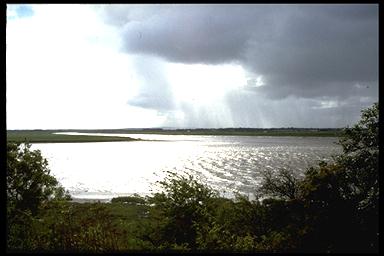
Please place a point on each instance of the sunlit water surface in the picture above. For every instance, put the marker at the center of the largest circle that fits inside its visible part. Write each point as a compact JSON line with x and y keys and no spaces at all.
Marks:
{"x":102,"y":170}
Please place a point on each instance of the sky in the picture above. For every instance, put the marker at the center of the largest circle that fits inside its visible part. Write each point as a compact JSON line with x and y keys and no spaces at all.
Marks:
{"x":84,"y":66}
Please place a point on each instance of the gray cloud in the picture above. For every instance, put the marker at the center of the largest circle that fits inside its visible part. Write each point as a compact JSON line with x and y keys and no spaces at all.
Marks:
{"x":306,"y":54}
{"x":314,"y":49}
{"x":297,"y":48}
{"x":186,"y":33}
{"x":293,"y":112}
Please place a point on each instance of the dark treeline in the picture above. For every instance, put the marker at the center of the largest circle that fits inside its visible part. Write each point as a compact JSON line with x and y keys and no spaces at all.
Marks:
{"x":334,"y":207}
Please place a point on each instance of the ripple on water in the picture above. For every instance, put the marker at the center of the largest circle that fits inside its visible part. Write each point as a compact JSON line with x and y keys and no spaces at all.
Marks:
{"x":233,"y":164}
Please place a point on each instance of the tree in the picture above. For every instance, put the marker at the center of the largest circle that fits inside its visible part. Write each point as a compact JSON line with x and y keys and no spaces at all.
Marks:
{"x":361,"y":159}
{"x":340,"y":199}
{"x":283,"y":184}
{"x":29,"y":182}
{"x":344,"y":196}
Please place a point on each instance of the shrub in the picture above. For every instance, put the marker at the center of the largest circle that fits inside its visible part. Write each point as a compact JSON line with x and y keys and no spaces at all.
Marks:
{"x":180,"y":209}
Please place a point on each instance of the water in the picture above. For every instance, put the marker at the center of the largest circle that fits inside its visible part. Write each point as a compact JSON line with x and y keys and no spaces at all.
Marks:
{"x":230,"y":164}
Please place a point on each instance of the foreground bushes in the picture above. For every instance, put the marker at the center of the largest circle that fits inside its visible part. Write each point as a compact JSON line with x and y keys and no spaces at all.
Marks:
{"x":193,"y":220}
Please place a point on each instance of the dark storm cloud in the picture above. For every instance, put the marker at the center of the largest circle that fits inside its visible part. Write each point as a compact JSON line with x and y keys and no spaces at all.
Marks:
{"x":302,"y":50}
{"x":187,"y":33}
{"x":316,"y":53}
{"x":211,"y":34}
{"x":318,"y":63}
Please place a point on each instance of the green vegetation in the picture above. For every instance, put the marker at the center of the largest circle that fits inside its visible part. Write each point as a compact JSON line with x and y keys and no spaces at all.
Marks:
{"x":40,"y":136}
{"x":29,"y":185}
{"x":332,"y":208}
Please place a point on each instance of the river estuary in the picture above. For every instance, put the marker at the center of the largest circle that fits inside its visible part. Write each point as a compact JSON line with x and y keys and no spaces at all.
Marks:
{"x":102,"y":170}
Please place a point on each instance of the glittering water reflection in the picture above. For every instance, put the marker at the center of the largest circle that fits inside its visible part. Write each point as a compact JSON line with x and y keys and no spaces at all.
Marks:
{"x":227,"y":163}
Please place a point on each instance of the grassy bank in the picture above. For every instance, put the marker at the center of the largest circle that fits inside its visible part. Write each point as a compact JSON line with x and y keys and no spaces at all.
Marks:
{"x":36,"y":136}
{"x":72,"y":227}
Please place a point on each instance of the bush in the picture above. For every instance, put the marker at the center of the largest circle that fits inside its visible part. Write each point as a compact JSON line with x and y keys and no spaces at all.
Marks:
{"x":179,"y":210}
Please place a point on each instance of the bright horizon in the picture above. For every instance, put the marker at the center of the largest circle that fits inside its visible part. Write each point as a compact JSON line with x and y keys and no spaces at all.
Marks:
{"x":189,"y":66}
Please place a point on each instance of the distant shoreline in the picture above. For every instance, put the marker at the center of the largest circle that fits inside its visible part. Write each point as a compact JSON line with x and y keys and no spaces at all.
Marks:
{"x":48,"y":136}
{"x":33,"y":136}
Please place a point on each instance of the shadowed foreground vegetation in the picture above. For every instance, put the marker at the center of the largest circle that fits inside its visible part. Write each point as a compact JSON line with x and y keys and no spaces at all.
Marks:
{"x":333,"y":208}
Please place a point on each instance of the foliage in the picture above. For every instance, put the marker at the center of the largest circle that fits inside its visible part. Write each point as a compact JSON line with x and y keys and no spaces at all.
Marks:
{"x":180,"y":209}
{"x":340,"y":199}
{"x":361,"y":160}
{"x":283,"y":184}
{"x":29,"y":182}
{"x":344,"y":196}
{"x":29,"y":185}
{"x":365,"y":134}
{"x":71,"y":227}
